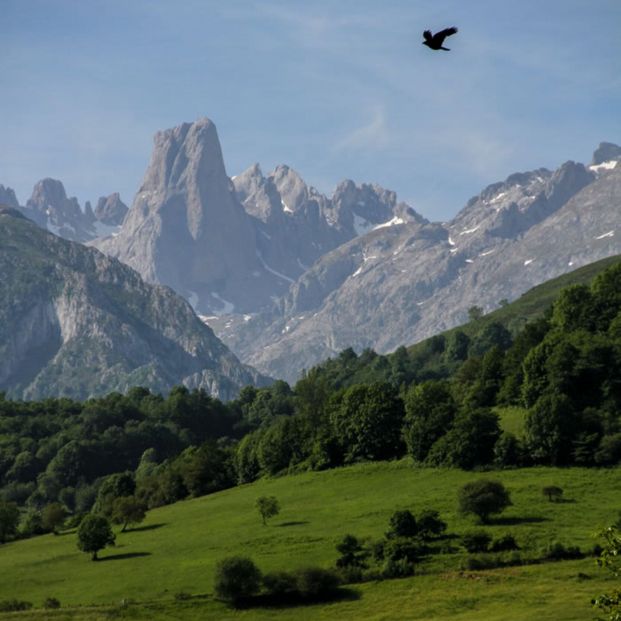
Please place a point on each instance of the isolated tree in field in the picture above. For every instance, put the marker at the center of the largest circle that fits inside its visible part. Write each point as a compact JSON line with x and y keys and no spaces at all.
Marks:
{"x":53,"y":517}
{"x":94,"y":534}
{"x":483,"y":498}
{"x":128,"y":510}
{"x":9,"y":518}
{"x":268,"y":507}
{"x":237,"y":578}
{"x":552,"y":493}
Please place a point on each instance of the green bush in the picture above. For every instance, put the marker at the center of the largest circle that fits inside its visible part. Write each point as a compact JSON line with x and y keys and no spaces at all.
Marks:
{"x":13,"y":605}
{"x":476,"y":541}
{"x":237,"y":578}
{"x":316,"y":582}
{"x":557,"y":551}
{"x":506,"y":543}
{"x":280,"y":584}
{"x":397,"y":568}
{"x":51,"y":603}
{"x":401,"y":548}
{"x":429,"y":524}
{"x":402,"y":524}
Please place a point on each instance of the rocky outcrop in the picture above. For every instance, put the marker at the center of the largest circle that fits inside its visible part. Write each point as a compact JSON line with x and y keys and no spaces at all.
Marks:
{"x":76,"y":323}
{"x":8,"y":198}
{"x":110,"y":210}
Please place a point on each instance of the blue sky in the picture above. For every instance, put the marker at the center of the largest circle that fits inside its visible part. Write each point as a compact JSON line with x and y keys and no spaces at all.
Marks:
{"x":334,"y":89}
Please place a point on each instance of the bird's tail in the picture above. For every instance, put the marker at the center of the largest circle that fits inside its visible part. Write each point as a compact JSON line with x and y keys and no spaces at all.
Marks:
{"x":446,"y":49}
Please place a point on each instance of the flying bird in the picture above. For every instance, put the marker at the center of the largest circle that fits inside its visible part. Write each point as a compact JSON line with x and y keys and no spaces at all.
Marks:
{"x":435,"y":41}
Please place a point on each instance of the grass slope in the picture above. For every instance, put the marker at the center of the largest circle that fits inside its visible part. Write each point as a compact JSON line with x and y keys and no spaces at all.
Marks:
{"x":176,"y":549}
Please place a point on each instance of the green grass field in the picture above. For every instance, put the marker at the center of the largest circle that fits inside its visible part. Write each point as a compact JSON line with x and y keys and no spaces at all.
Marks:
{"x":176,"y":548}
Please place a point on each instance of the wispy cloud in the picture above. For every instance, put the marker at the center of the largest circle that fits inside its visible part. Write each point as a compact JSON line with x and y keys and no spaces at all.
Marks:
{"x":374,"y":134}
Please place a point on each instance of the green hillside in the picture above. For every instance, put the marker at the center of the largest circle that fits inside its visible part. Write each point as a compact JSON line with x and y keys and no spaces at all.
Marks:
{"x":176,"y":548}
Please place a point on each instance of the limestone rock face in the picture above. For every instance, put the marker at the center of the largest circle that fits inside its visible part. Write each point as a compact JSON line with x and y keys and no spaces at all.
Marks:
{"x":8,"y":198}
{"x":110,"y":210}
{"x":402,"y":282}
{"x":187,"y":229}
{"x":76,"y":323}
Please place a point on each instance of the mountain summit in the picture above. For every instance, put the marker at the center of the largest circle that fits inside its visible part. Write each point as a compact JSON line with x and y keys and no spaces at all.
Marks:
{"x":186,"y":228}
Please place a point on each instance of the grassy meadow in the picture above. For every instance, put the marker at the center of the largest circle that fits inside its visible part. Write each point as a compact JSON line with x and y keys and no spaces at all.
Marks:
{"x":175,"y":550}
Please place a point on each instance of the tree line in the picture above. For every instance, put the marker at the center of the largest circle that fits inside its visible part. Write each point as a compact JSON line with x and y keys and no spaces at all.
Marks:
{"x":435,"y":403}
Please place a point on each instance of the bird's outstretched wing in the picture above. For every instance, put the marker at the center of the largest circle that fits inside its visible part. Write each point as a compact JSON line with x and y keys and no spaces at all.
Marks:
{"x":447,"y":32}
{"x":427,"y":35}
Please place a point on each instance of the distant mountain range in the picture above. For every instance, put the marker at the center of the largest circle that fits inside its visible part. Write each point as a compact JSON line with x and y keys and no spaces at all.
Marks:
{"x":76,"y":323}
{"x":287,"y":276}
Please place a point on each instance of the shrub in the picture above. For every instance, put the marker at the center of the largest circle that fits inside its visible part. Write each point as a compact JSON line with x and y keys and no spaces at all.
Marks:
{"x":398,"y":568}
{"x":352,"y":553}
{"x":430,"y":524}
{"x":316,"y":582}
{"x":51,"y":603}
{"x":280,"y":583}
{"x":237,"y":578}
{"x":13,"y":605}
{"x":351,"y":575}
{"x":476,"y":541}
{"x":506,"y":543}
{"x":557,"y":551}
{"x":401,"y":548}
{"x":402,"y":524}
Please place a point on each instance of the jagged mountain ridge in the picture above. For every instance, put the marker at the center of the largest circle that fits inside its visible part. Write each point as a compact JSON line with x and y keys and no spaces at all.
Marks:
{"x":77,"y":323}
{"x":235,"y":244}
{"x":51,"y":208}
{"x":400,"y":284}
{"x":288,"y":276}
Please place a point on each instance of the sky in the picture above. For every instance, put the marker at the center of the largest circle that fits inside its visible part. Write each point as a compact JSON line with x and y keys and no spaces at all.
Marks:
{"x":333,"y":89}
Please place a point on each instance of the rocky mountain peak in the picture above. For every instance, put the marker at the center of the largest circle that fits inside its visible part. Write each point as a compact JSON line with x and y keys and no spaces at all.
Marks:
{"x":111,"y":210}
{"x":187,"y":229}
{"x":48,"y":192}
{"x":605,"y":152}
{"x":51,"y":209}
{"x":7,"y":197}
{"x":292,"y":189}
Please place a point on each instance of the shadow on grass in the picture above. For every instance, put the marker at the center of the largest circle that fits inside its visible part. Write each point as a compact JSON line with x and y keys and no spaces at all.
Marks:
{"x":514,"y":521}
{"x":295,"y":599}
{"x":122,"y":557}
{"x":300,"y":523}
{"x":138,"y":529}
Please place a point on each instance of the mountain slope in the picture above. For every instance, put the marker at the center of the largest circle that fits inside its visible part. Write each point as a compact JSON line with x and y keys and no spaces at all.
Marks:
{"x":402,"y":283}
{"x":74,"y":322}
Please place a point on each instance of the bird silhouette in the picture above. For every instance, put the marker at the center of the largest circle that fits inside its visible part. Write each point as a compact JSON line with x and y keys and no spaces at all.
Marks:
{"x":435,"y":41}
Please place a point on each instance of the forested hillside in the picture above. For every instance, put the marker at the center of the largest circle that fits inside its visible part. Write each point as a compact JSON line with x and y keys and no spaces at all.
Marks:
{"x":443,"y":403}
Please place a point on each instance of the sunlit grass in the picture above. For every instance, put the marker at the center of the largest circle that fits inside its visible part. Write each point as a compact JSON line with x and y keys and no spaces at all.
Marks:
{"x":176,"y":548}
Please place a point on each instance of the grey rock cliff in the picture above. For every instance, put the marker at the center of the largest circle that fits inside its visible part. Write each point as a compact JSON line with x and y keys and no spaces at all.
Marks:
{"x":110,"y":210}
{"x":401,"y":283}
{"x":74,"y":322}
{"x":186,"y":228}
